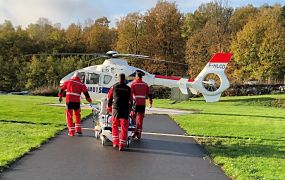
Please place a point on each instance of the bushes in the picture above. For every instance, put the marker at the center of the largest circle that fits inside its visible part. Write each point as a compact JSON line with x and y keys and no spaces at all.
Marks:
{"x":45,"y":91}
{"x":258,"y":89}
{"x":160,"y":92}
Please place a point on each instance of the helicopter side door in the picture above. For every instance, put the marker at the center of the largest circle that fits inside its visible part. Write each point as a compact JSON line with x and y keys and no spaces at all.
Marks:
{"x":93,"y":84}
{"x":107,"y":82}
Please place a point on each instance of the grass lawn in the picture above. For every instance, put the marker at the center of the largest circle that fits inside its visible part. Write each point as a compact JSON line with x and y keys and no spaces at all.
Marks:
{"x":244,"y":135}
{"x":25,"y":123}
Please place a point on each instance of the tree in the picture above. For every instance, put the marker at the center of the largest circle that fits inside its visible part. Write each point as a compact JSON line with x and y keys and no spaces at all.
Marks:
{"x":52,"y":71}
{"x":259,"y":47}
{"x":240,"y":17}
{"x":40,"y":33}
{"x":200,"y":47}
{"x":74,"y":39}
{"x":161,"y":37}
{"x":272,"y":49}
{"x":56,"y":40}
{"x":211,"y":36}
{"x":282,"y":16}
{"x":37,"y":71}
{"x":7,"y":38}
{"x":129,"y":30}
{"x":98,"y":37}
{"x":13,"y":44}
{"x":197,"y":20}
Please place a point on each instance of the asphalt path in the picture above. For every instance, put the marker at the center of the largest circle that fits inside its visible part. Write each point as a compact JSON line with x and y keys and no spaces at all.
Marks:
{"x":154,"y":157}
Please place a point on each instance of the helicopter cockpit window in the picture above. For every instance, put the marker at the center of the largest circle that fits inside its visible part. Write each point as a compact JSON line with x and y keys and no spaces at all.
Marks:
{"x":141,"y":72}
{"x":92,"y":78}
{"x":132,"y":76}
{"x":67,"y":77}
{"x":107,"y":79}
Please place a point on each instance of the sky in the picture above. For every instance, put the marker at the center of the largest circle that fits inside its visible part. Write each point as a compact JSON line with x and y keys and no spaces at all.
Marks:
{"x":65,"y":12}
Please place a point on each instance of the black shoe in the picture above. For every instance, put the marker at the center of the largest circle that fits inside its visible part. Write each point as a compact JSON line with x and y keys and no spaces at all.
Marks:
{"x":134,"y":135}
{"x":79,"y":133}
{"x":139,"y":136}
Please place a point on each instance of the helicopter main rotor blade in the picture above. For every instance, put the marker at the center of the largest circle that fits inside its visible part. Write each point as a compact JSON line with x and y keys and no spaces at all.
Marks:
{"x":158,"y":60}
{"x":206,"y":82}
{"x":110,"y":54}
{"x":130,"y":55}
{"x":67,"y":54}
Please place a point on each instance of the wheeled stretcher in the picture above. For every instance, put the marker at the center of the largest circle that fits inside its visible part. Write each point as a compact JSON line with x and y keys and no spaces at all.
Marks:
{"x":103,"y":127}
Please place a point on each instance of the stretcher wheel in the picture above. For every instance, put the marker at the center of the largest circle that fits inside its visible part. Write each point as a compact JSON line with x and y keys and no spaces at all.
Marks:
{"x":97,"y":134}
{"x":104,"y":140}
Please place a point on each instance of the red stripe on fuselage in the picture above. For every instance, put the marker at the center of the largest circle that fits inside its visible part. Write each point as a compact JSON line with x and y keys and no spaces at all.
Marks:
{"x":221,"y":58}
{"x":168,"y":77}
{"x":171,"y":78}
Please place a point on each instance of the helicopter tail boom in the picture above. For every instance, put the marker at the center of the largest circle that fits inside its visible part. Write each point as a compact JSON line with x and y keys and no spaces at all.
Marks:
{"x":211,"y":81}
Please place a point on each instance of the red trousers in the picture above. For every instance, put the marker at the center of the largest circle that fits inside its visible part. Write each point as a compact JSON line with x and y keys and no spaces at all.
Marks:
{"x":121,"y":140}
{"x":69,"y":121}
{"x":138,"y":121}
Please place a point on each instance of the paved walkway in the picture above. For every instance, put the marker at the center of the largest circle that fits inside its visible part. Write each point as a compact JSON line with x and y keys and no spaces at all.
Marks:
{"x":152,"y":110}
{"x":154,"y":157}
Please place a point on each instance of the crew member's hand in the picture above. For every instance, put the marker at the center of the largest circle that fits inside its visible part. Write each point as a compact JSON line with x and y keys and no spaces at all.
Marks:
{"x":110,"y":110}
{"x":150,"y":105}
{"x":60,"y":99}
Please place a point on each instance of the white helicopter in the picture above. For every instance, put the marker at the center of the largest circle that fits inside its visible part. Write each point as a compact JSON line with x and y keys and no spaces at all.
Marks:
{"x":100,"y":78}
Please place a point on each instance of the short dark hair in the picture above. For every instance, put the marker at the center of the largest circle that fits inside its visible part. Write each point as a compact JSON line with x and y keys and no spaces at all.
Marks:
{"x":139,"y":74}
{"x":122,"y":77}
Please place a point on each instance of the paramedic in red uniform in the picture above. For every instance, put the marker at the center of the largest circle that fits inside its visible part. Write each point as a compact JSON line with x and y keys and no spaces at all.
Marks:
{"x":119,"y":99}
{"x":74,"y":87}
{"x":140,"y":92}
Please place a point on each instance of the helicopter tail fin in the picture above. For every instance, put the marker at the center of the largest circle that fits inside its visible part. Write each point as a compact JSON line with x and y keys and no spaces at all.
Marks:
{"x":217,"y":63}
{"x":212,"y":87}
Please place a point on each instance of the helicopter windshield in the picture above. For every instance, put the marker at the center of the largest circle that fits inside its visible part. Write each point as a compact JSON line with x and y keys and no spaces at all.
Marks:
{"x":66,"y":77}
{"x":132,"y":76}
{"x":107,"y":79}
{"x":69,"y":76}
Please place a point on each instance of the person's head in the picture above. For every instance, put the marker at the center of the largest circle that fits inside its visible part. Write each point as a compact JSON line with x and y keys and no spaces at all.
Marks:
{"x":122,"y":78}
{"x":138,"y":75}
{"x":76,"y":74}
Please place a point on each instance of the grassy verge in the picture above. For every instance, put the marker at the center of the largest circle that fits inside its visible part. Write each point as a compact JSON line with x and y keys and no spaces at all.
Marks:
{"x":25,"y":123}
{"x":245,"y":135}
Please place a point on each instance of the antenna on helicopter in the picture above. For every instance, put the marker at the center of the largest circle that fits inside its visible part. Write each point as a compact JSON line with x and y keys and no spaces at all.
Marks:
{"x":111,"y":54}
{"x":115,"y":54}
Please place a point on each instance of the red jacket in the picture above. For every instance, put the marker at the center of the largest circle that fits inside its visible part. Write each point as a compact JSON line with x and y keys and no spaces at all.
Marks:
{"x":74,"y":87}
{"x":140,"y":92}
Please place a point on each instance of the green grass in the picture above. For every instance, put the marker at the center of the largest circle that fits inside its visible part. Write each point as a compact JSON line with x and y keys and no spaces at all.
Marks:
{"x":32,"y":109}
{"x":245,"y":135}
{"x":17,"y":139}
{"x":25,"y":123}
